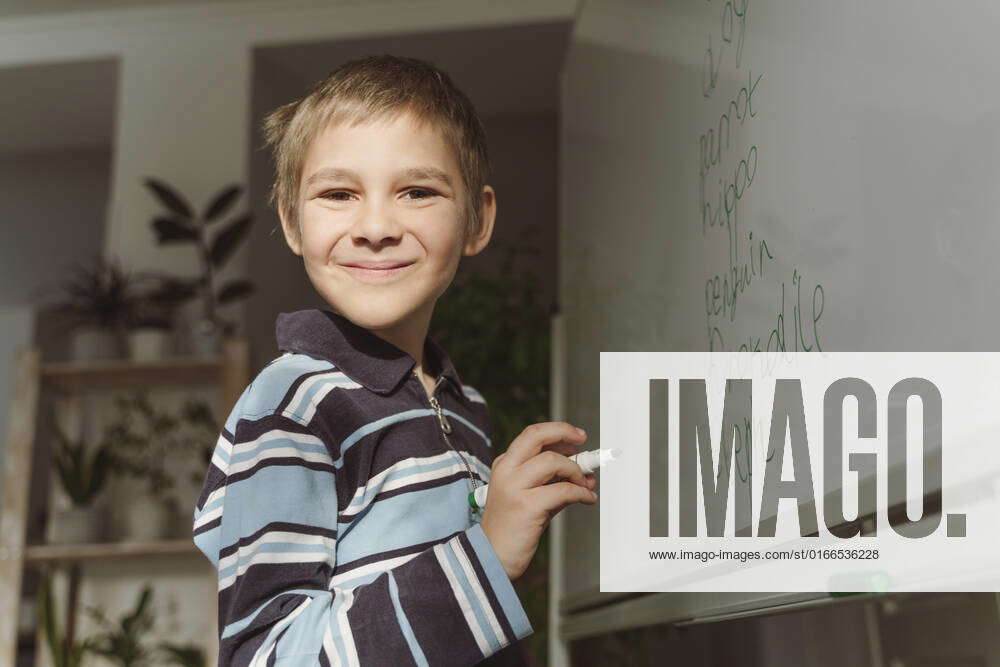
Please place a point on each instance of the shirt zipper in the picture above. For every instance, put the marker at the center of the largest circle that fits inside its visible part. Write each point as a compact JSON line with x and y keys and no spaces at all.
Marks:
{"x":446,"y":429}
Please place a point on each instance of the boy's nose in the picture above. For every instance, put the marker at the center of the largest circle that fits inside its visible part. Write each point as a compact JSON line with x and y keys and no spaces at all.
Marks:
{"x":377,"y":225}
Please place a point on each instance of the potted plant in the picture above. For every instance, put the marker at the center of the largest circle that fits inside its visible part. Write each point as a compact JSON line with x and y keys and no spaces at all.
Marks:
{"x":100,"y":302}
{"x":146,"y":446}
{"x":123,"y":642}
{"x":151,"y":328}
{"x":181,"y":224}
{"x":82,"y":477}
{"x":63,"y":652}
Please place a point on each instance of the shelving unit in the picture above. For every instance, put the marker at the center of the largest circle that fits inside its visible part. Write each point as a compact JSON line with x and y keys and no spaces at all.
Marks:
{"x":70,"y":380}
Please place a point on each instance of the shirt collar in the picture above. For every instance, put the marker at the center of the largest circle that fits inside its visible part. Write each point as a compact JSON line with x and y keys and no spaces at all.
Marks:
{"x":369,"y":360}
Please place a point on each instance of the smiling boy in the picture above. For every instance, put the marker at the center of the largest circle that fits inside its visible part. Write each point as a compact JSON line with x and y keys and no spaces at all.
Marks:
{"x":335,"y":504}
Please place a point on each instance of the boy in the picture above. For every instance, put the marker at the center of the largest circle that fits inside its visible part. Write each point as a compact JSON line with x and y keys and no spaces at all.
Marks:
{"x":335,"y":505}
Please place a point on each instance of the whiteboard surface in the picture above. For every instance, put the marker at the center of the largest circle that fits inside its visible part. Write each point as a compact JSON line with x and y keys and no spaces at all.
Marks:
{"x":867,"y":221}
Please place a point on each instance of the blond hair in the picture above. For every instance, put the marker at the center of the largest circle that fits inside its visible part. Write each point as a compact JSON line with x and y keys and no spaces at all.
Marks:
{"x":368,"y":88}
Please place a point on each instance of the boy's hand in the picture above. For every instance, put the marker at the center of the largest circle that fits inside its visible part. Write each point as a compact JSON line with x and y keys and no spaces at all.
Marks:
{"x":520,"y":502}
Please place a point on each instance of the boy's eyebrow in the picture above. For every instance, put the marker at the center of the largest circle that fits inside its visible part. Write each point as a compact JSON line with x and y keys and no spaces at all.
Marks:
{"x":335,"y":173}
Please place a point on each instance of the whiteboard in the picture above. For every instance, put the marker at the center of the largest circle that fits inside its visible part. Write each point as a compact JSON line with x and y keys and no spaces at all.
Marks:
{"x":772,"y":174}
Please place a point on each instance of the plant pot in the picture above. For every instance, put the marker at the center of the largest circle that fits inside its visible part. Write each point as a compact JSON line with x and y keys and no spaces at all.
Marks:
{"x":75,"y":525}
{"x":206,"y":338}
{"x":95,"y":343}
{"x":149,"y":344}
{"x":146,"y":519}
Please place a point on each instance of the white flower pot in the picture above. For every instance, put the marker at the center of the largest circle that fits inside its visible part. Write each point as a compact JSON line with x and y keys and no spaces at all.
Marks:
{"x":94,"y":343}
{"x":146,"y":519}
{"x":75,"y":525}
{"x":206,"y":338}
{"x":149,"y":344}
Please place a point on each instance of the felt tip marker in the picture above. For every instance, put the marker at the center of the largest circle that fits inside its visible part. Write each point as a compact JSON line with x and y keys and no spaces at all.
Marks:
{"x":588,"y":461}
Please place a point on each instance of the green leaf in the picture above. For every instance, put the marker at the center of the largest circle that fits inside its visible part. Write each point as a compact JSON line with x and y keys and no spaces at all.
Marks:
{"x":228,"y":239}
{"x":169,"y":230}
{"x":222,"y":202}
{"x":234,"y":290}
{"x":169,"y":198}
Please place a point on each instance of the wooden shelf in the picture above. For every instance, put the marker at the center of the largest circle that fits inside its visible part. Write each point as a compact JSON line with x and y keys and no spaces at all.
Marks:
{"x":72,"y":376}
{"x":38,"y":554}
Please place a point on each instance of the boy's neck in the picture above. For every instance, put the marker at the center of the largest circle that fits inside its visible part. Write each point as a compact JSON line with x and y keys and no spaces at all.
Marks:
{"x":409,"y":336}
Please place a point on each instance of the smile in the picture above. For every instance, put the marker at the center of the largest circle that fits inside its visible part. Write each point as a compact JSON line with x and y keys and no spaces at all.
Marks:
{"x":373,"y":275}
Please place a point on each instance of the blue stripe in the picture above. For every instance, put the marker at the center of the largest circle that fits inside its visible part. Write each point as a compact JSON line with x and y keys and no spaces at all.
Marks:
{"x":376,"y":425}
{"x":404,"y":624}
{"x":277,"y":548}
{"x":292,"y":491}
{"x":404,"y":520}
{"x":474,"y":600}
{"x":334,"y":624}
{"x":472,"y":427}
{"x":221,"y":453}
{"x":399,"y":475}
{"x":502,"y":586}
{"x":268,"y":441}
{"x":317,"y":387}
{"x":274,"y":382}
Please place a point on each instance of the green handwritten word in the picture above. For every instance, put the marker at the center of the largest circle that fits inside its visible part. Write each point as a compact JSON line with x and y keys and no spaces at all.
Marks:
{"x":734,"y":16}
{"x":723,"y":292}
{"x":777,"y":340}
{"x":716,"y":139}
{"x":729,"y":195}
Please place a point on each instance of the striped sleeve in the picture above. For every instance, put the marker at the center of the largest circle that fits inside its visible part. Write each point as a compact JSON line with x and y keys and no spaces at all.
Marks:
{"x":267,"y":519}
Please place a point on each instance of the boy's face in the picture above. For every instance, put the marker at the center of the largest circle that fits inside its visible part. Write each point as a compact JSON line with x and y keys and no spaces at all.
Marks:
{"x":386,"y":192}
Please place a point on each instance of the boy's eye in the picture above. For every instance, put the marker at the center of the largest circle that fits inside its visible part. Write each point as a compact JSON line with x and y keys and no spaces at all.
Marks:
{"x":333,"y":194}
{"x":424,"y":194}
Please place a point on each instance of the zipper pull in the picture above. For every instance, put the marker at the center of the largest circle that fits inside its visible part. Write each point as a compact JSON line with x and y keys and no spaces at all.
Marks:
{"x":445,"y":426}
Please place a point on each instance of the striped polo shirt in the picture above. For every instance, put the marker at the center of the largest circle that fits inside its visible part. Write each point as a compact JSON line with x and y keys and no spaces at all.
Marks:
{"x":335,"y":509}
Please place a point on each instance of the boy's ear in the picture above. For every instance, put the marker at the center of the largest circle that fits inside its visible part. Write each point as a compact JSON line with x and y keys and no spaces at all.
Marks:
{"x":475,"y":242}
{"x":292,"y":235}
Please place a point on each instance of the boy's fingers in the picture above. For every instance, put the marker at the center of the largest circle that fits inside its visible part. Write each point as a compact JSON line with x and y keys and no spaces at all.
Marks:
{"x":554,"y":497}
{"x":564,"y":448}
{"x":546,"y":465}
{"x":534,"y":437}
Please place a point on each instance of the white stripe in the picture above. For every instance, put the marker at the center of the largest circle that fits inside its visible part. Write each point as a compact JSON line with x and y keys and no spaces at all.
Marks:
{"x":345,"y":628}
{"x":283,"y":536}
{"x":370,"y":568}
{"x":329,"y":648}
{"x":251,"y":556}
{"x":215,"y":495}
{"x":463,"y":601}
{"x":472,"y":394}
{"x":278,"y":434}
{"x":208,"y":518}
{"x":491,"y":618}
{"x":278,"y":627}
{"x":376,"y":483}
{"x":273,"y":558}
{"x":330,"y":380}
{"x":224,"y":444}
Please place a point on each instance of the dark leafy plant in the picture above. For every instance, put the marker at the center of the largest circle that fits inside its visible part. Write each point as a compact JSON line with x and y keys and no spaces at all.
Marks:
{"x":187,"y":655}
{"x":100,"y":293}
{"x":123,"y":642}
{"x":497,"y":332}
{"x":82,"y":475}
{"x":142,"y":439}
{"x":180,"y":224}
{"x":63,"y":652}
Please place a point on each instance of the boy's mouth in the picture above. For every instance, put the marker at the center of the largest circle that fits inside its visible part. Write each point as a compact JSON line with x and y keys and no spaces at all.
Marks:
{"x":376,"y":270}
